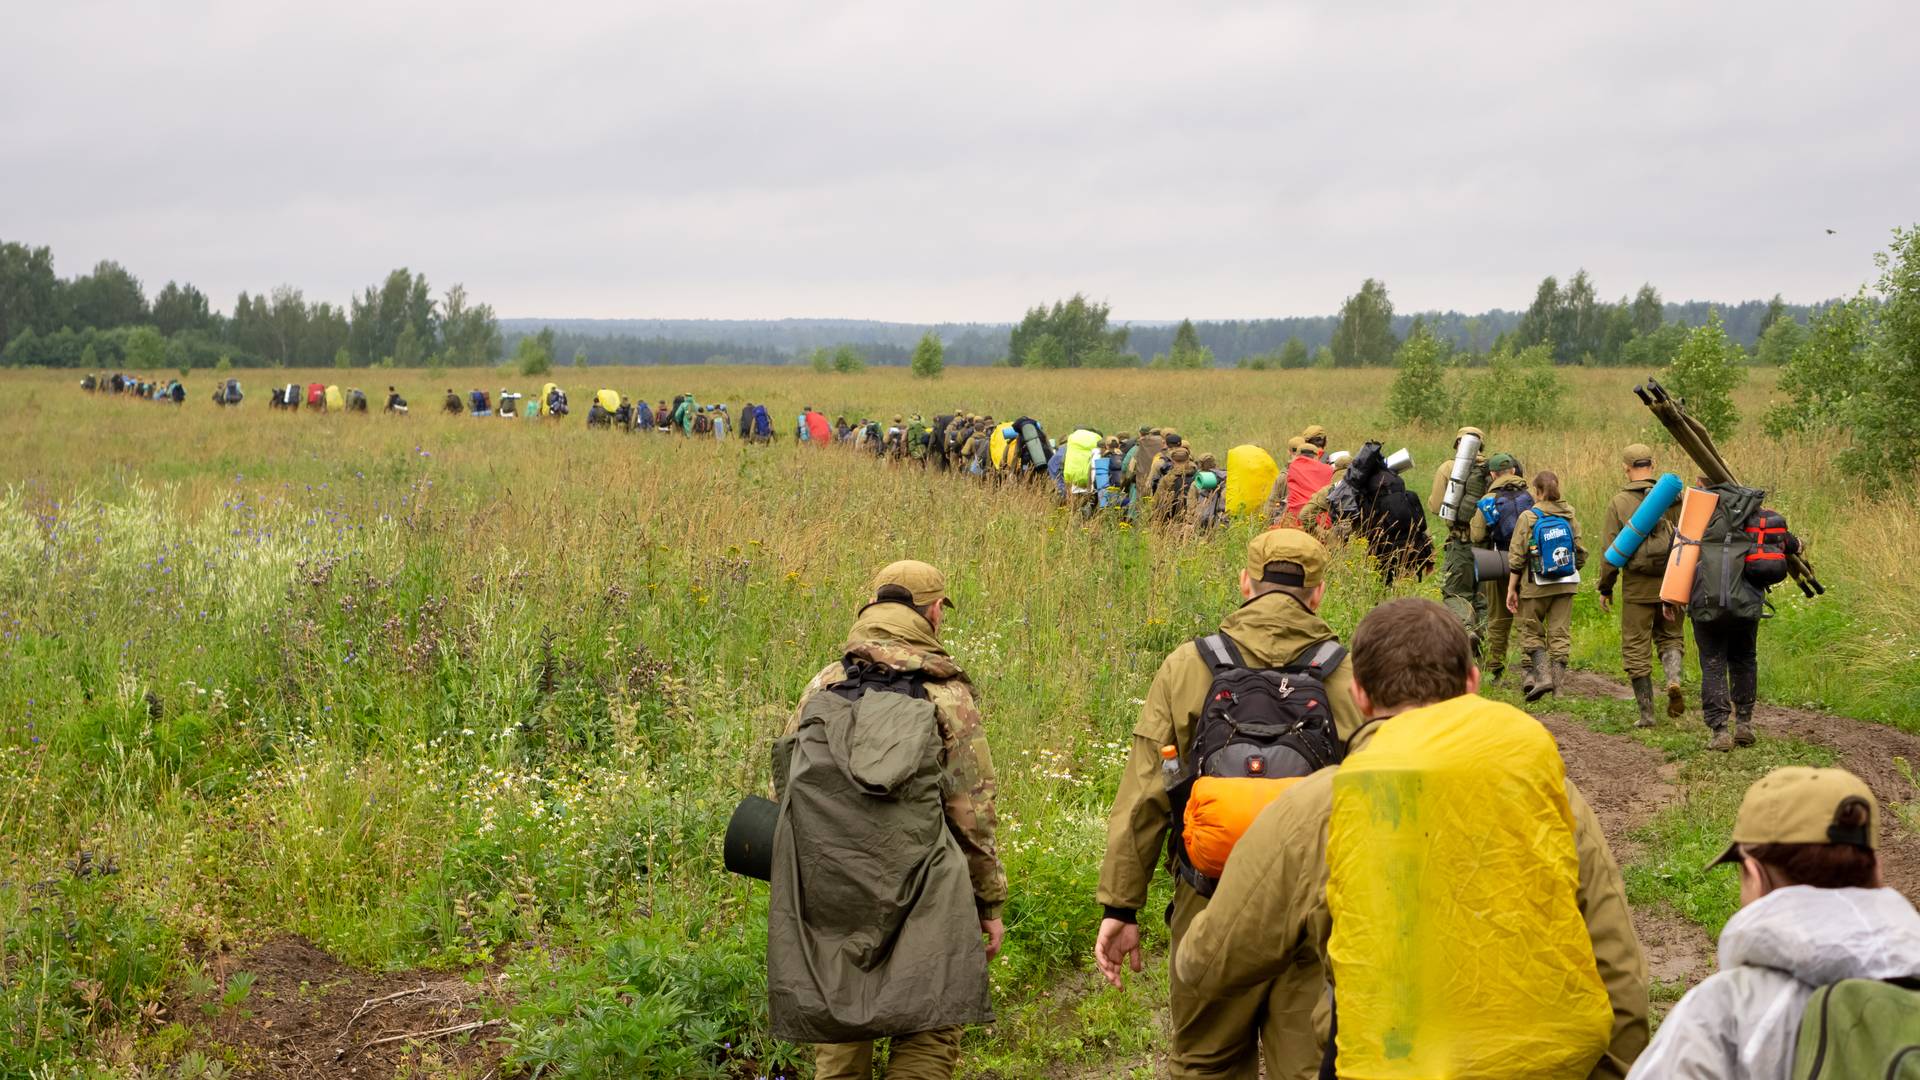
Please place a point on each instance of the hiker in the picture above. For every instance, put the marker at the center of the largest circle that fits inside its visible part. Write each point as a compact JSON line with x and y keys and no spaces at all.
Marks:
{"x":480,"y":403}
{"x":1814,"y":911}
{"x":395,"y":403}
{"x":1276,"y":640}
{"x":1170,"y":493}
{"x":1492,"y":530}
{"x":1743,"y":553}
{"x":1139,"y":463}
{"x":886,"y":876}
{"x":1457,"y":588}
{"x":662,"y":417}
{"x":894,"y":444}
{"x":1543,"y":568}
{"x":1647,"y":628}
{"x":1388,"y":516}
{"x":1206,"y":497}
{"x":1315,"y":436}
{"x":720,"y":423}
{"x":1482,"y":921}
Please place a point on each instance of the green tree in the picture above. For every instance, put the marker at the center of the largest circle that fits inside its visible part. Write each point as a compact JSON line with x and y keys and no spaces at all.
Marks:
{"x":1294,"y":355}
{"x":1365,"y":332}
{"x":469,"y":331}
{"x":1545,"y":321}
{"x":532,"y":356}
{"x":106,"y":298}
{"x":224,"y":364}
{"x":1187,"y":352}
{"x":1515,"y":389}
{"x":1827,"y":371}
{"x":929,"y":356}
{"x":580,"y":358}
{"x":1705,"y":373}
{"x":89,"y":359}
{"x":29,"y":291}
{"x":408,"y":350}
{"x":1886,"y":419}
{"x":1655,"y":350}
{"x":1779,"y":342}
{"x":1079,"y":331}
{"x":822,"y":360}
{"x":1648,"y":312}
{"x":180,"y":307}
{"x":1776,"y":310}
{"x":848,"y":361}
{"x":146,"y":349}
{"x":1419,"y":392}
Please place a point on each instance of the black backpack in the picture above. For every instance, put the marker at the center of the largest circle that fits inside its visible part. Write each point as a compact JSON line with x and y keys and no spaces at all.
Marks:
{"x":1258,"y":722}
{"x":1722,"y":591}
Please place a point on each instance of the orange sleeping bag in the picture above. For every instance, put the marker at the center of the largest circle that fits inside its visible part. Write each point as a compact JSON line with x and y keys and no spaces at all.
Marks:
{"x":1696,"y":510}
{"x":1219,"y":812}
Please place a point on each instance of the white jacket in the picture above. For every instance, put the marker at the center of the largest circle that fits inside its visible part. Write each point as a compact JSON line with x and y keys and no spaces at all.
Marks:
{"x":1743,"y":1023}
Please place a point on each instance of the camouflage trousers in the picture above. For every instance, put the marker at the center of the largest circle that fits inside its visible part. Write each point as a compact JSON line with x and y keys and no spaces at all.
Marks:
{"x":927,"y":1055}
{"x":1459,"y":592}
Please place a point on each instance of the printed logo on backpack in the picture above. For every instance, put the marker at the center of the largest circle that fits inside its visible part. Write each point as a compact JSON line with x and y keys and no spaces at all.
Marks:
{"x":1552,"y":545}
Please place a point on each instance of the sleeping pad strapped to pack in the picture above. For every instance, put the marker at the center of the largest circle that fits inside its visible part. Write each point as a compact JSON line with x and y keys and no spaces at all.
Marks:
{"x":1458,"y":945}
{"x":1033,"y":442}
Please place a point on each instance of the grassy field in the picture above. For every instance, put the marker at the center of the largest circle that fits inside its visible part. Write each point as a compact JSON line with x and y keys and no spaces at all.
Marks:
{"x":478,"y":696}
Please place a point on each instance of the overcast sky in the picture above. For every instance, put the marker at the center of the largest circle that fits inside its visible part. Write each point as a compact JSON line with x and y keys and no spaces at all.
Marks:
{"x":963,"y":160}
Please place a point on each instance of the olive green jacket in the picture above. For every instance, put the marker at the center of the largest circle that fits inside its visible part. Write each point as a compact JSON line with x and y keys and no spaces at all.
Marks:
{"x":901,"y":638}
{"x":1637,"y":588}
{"x":1520,"y":555}
{"x":1271,"y":631}
{"x":1272,"y":901}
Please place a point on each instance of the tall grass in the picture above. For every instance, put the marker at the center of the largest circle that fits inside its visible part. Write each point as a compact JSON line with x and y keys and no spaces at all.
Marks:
{"x":460,"y":692}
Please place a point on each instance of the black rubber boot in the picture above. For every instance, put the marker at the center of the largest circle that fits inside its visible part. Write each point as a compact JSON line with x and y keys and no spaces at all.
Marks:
{"x":1643,"y":697}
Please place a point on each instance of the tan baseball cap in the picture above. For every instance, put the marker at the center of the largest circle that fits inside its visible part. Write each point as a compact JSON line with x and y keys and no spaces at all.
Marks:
{"x":1297,"y":555}
{"x":1314,"y":431}
{"x":927,"y":584}
{"x":1638,"y":455}
{"x":1798,"y":805}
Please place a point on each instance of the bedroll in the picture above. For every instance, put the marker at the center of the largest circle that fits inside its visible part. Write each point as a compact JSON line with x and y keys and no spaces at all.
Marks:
{"x":1458,"y":946}
{"x":1251,"y":472}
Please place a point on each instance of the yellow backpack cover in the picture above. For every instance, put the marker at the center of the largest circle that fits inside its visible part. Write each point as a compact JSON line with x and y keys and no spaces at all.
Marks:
{"x":335,"y":400}
{"x":1458,"y":948}
{"x":1251,"y":472}
{"x":609,"y":400}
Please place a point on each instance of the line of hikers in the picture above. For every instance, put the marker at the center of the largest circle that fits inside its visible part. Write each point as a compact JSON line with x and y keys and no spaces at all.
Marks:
{"x":169,"y":391}
{"x":1376,"y":871}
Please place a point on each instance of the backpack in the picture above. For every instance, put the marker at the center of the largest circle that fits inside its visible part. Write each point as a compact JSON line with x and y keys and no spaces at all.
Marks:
{"x":1860,"y":1027}
{"x":1501,"y":511}
{"x":1342,"y":504}
{"x":1554,"y":558}
{"x":1259,"y":724}
{"x":1651,"y":558}
{"x":1722,"y":591}
{"x":1479,"y":479}
{"x":1766,"y":564}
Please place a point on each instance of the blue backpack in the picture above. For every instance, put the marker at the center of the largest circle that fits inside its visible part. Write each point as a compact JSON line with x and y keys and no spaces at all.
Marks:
{"x":1501,"y":511}
{"x":1553,"y":554}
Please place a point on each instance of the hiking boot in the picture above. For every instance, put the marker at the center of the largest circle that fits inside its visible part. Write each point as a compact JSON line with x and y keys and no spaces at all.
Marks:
{"x":1643,"y":697}
{"x":1543,"y":676}
{"x":1674,"y":664}
{"x":1743,"y":727}
{"x":1494,"y":674}
{"x":1722,"y":740}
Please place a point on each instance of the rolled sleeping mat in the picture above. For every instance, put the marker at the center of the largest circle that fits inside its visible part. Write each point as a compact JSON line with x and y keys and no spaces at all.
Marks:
{"x":1457,"y":480}
{"x":1489,"y":564}
{"x":1665,"y":493}
{"x":1401,"y":461}
{"x":1696,"y":509}
{"x":748,"y":848}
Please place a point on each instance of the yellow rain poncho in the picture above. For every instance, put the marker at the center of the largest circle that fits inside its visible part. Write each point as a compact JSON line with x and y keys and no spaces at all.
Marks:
{"x":1459,"y":947}
{"x":1251,"y":472}
{"x":1078,"y":466}
{"x":609,"y":400}
{"x":1001,"y":447}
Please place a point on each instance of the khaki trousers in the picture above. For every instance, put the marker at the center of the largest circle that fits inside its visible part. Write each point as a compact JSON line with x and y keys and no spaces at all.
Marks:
{"x":1545,"y":623}
{"x":927,"y":1055}
{"x":1646,"y":632}
{"x":1493,"y":653}
{"x":1284,"y":1021}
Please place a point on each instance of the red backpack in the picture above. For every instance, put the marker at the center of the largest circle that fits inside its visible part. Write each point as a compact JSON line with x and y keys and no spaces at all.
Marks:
{"x":1766,"y":564}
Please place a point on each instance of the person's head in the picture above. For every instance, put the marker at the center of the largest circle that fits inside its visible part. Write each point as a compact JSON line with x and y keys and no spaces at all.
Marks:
{"x":1145,"y":431}
{"x":1638,"y":461}
{"x":1804,"y":826}
{"x":918,"y":585}
{"x":1316,"y":435}
{"x":1408,"y":653}
{"x":1285,"y":561}
{"x":1503,"y":465}
{"x":1466,"y":431}
{"x":1206,"y":461}
{"x":1546,"y":486}
{"x":1179,"y":455}
{"x":1173,"y":439}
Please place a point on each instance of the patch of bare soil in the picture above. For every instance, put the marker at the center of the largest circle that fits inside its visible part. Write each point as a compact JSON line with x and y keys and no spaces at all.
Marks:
{"x":1625,"y":782}
{"x":1588,"y":684}
{"x":306,"y":1015}
{"x":1866,"y":750}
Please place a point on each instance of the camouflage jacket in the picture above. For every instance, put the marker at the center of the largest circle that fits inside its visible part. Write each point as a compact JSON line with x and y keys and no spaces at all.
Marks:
{"x":899,"y":637}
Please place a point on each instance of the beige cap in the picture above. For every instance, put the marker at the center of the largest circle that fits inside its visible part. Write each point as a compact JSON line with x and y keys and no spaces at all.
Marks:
{"x":927,"y":584}
{"x":1473,"y":431}
{"x":1295,"y":553}
{"x":1798,"y":805}
{"x":1314,"y":431}
{"x":1637,"y":456}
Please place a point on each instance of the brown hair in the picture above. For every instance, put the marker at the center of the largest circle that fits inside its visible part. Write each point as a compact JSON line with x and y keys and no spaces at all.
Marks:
{"x":1547,"y":485}
{"x":1411,"y":652}
{"x":1823,"y":866}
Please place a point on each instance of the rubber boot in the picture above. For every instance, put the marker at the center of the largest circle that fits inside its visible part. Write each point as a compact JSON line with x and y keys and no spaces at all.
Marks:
{"x":1674,"y":663}
{"x":1722,"y":740}
{"x":1643,"y":697}
{"x":1559,"y":677}
{"x":1743,"y":726}
{"x":1528,"y":677}
{"x":1542,"y":676}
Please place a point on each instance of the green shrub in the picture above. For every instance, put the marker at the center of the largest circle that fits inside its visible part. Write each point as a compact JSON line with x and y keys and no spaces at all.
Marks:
{"x":1521,"y":389}
{"x":1419,"y":393}
{"x":1704,"y":374}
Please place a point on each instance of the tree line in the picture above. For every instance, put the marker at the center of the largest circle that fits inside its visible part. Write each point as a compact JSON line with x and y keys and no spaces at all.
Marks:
{"x":104,"y":318}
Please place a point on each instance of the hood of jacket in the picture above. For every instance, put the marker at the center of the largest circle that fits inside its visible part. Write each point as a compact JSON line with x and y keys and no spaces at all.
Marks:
{"x":1273,"y":629}
{"x":896,"y":635}
{"x":1821,"y":936}
{"x":1507,"y":483}
{"x":1556,"y":507}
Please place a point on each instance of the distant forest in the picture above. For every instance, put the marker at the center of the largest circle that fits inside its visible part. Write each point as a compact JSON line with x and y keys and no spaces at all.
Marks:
{"x":105,"y":318}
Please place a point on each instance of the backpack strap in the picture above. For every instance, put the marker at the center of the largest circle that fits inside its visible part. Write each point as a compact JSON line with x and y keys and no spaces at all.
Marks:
{"x":1320,"y":660}
{"x":1220,"y":652}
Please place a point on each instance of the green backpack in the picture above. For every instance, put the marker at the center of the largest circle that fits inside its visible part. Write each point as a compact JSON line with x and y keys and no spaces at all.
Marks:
{"x":1721,"y":591}
{"x":1860,"y":1028}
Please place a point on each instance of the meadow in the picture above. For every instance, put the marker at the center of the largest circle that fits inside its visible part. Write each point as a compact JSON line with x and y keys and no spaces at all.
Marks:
{"x":476,"y":697}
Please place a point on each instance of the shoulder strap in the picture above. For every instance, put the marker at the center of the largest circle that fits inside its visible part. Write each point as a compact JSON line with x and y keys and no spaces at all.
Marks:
{"x":1220,"y":652}
{"x":1320,"y":660}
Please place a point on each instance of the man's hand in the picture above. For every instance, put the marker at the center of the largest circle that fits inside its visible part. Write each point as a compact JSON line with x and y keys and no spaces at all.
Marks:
{"x":996,"y":932}
{"x":1606,"y":603}
{"x":1117,"y":945}
{"x":1513,"y":601}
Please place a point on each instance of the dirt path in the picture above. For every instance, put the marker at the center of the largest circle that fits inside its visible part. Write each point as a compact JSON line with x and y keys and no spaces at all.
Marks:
{"x":1868,"y":751}
{"x":306,"y":1014}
